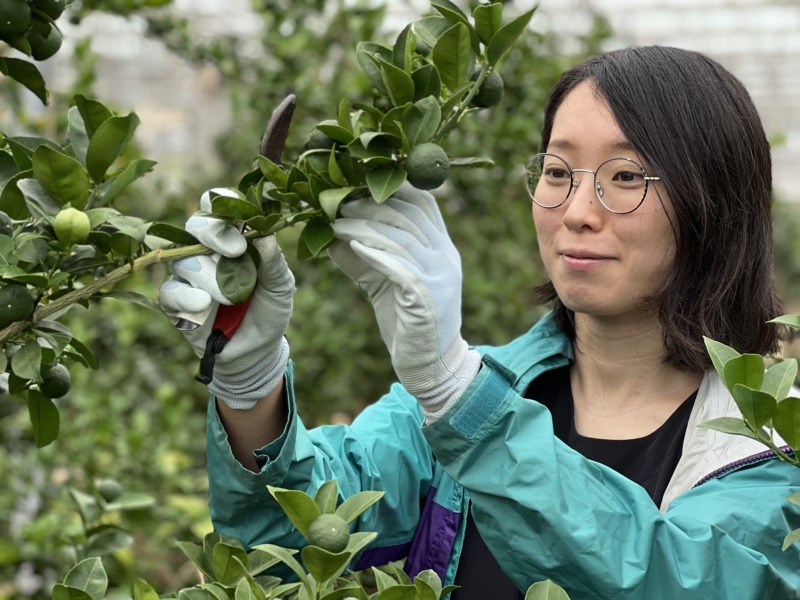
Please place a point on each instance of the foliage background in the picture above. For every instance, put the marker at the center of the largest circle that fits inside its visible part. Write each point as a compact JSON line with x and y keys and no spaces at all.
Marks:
{"x":140,"y":417}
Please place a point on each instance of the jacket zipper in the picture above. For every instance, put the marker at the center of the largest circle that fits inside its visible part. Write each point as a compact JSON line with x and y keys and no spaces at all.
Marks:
{"x":743,"y":462}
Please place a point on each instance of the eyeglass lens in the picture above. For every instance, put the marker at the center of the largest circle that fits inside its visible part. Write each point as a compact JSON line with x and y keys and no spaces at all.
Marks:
{"x":620,"y":183}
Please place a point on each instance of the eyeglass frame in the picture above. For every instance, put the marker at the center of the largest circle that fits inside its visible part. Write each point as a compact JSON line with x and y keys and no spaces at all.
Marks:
{"x":573,"y":184}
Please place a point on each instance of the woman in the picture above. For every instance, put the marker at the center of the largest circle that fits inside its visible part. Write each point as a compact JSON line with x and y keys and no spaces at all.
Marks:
{"x":571,"y":453}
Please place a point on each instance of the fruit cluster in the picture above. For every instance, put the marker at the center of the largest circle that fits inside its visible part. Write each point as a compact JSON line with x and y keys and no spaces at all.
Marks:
{"x":29,"y":26}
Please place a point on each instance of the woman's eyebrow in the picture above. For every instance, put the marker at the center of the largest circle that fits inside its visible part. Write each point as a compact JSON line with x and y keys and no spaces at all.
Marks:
{"x":562,"y":144}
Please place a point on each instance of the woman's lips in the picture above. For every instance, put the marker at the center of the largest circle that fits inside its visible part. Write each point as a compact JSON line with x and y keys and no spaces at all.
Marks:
{"x":583,"y":261}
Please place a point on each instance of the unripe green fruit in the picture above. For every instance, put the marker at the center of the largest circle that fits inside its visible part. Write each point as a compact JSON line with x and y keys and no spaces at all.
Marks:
{"x":491,"y":91}
{"x":71,"y":226}
{"x":15,"y":16}
{"x":427,"y":166}
{"x":330,"y":532}
{"x":109,"y":489}
{"x":16,"y":304}
{"x":319,"y":140}
{"x":56,"y":381}
{"x":383,"y":104}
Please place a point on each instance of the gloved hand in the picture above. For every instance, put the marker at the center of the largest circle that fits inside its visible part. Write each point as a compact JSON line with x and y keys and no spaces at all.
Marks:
{"x":400,"y":253}
{"x":253,"y":362}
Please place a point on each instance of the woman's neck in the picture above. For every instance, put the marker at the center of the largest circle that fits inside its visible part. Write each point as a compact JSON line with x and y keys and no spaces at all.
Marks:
{"x":621,"y":384}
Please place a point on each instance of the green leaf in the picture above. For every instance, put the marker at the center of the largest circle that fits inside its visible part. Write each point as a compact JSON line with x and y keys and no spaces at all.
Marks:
{"x":38,"y":201}
{"x":452,"y":54}
{"x":108,"y":541}
{"x":78,"y":138}
{"x":779,"y":378}
{"x":132,"y":171}
{"x":747,"y":370}
{"x":472,"y":162}
{"x":108,"y":143}
{"x":196,"y":554}
{"x":244,"y":591}
{"x":455,"y":15}
{"x":790,"y":539}
{"x":428,"y":580}
{"x":730,"y":425}
{"x":273,"y":172}
{"x":236,"y":277}
{"x":792,"y":321}
{"x":90,"y":576}
{"x":132,"y":297}
{"x":350,"y":509}
{"x":63,"y":592}
{"x":124,"y":244}
{"x":403,"y":50}
{"x":25,"y":73}
{"x":238,"y":209}
{"x":506,"y":37}
{"x":130,"y":501}
{"x":327,"y":496}
{"x":334,"y":172}
{"x":227,"y":569}
{"x":488,"y":20}
{"x":64,"y":179}
{"x":44,"y":418}
{"x":26,"y":362}
{"x":336,"y":132}
{"x":317,"y":235}
{"x":343,"y":114}
{"x":141,"y":590}
{"x":430,"y":29}
{"x":398,"y":84}
{"x":786,"y":421}
{"x":330,"y":200}
{"x":359,"y":540}
{"x":757,"y":407}
{"x":720,"y":354}
{"x":399,"y":592}
{"x":421,"y":122}
{"x":12,"y":200}
{"x":385,"y":181}
{"x":93,"y":114}
{"x":176,"y":235}
{"x":368,"y":55}
{"x":383,"y":581}
{"x":324,"y":565}
{"x":258,"y":562}
{"x":299,"y":507}
{"x":794,"y":498}
{"x":546,"y":590}
{"x":426,"y":82}
{"x":285,"y":556}
{"x":84,"y":352}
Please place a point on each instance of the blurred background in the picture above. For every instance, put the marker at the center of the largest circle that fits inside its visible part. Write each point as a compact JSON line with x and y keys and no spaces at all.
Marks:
{"x":203,"y":76}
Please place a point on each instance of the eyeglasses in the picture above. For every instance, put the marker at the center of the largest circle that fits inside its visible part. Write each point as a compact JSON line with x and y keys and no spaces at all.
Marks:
{"x":620,"y":183}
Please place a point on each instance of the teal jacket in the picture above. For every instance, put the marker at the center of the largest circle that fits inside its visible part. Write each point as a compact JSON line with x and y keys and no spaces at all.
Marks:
{"x":544,"y":510}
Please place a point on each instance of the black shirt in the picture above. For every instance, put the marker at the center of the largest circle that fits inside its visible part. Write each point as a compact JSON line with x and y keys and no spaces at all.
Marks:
{"x":649,"y":461}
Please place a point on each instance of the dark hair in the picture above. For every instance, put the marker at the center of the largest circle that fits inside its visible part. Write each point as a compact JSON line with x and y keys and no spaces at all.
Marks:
{"x":696,"y":125}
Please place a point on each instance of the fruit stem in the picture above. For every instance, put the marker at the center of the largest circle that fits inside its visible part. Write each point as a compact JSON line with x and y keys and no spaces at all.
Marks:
{"x":90,"y":289}
{"x":455,"y":117}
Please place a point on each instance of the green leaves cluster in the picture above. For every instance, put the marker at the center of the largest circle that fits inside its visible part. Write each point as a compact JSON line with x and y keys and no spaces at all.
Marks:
{"x":61,"y":232}
{"x":423,"y":86}
{"x":231,"y":572}
{"x":767,"y":400}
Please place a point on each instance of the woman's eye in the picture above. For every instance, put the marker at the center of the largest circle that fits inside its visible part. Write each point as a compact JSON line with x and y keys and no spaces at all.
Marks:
{"x":557,"y":173}
{"x":628,"y":177}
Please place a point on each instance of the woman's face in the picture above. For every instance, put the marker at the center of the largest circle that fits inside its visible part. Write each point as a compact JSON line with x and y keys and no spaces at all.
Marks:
{"x":601,"y":264}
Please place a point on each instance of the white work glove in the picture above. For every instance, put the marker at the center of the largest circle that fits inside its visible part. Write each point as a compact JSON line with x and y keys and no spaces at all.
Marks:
{"x":253,"y":362}
{"x":400,"y":254}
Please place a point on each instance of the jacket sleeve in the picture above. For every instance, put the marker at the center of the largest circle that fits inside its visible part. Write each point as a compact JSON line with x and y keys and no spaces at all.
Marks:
{"x":546,"y":512}
{"x":383,"y":450}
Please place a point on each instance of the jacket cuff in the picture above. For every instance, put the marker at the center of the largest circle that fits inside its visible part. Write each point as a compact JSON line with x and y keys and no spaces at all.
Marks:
{"x":477,"y":409}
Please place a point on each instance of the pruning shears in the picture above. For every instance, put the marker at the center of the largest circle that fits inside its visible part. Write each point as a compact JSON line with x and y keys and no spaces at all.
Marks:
{"x":230,"y":317}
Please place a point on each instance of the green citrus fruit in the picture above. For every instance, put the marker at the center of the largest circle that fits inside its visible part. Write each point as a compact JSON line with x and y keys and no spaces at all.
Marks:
{"x":16,"y":304}
{"x":491,"y":91}
{"x":383,"y":104}
{"x":52,"y":8}
{"x":15,"y":16}
{"x":56,"y":381}
{"x":329,"y":532}
{"x":6,"y":225}
{"x":43,"y":47}
{"x":427,"y":165}
{"x":71,"y":226}
{"x":109,"y":489}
